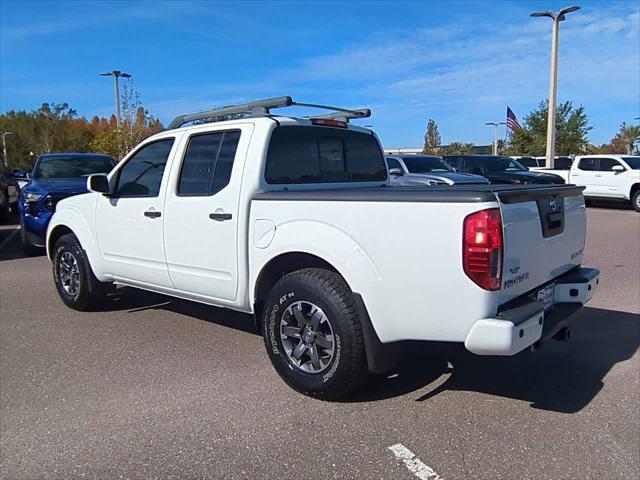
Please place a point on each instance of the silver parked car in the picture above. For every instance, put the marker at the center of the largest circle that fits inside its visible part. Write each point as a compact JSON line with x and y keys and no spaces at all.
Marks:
{"x":415,"y":169}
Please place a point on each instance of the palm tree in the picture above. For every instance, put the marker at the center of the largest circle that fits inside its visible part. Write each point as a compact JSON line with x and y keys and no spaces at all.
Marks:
{"x":629,"y":134}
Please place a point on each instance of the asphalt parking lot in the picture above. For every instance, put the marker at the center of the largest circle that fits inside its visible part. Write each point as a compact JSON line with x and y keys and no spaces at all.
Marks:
{"x":157,"y":388}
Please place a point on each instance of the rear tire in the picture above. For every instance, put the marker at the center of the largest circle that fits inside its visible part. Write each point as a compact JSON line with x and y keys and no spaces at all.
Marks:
{"x":75,"y":282}
{"x":313,"y":334}
{"x":635,"y":200}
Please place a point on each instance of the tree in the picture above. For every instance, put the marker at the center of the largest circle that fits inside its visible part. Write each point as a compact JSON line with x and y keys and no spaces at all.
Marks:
{"x":137,"y":124}
{"x":572,"y":127}
{"x":623,"y":142}
{"x":51,"y":128}
{"x":503,"y":146}
{"x":628,"y":135}
{"x":432,"y":138}
{"x":459,"y":148}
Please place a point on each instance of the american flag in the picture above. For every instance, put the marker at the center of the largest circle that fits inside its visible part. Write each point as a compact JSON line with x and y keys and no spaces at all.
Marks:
{"x":512,"y":121}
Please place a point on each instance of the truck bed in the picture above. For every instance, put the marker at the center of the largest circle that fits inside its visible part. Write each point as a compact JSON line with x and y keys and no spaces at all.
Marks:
{"x":433,"y":194}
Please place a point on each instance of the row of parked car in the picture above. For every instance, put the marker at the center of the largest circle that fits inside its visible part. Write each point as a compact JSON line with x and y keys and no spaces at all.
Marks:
{"x":57,"y":176}
{"x":615,"y":177}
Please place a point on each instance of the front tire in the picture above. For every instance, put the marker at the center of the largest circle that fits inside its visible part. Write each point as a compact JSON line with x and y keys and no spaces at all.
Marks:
{"x":635,"y":200}
{"x":313,"y":334}
{"x":75,"y":282}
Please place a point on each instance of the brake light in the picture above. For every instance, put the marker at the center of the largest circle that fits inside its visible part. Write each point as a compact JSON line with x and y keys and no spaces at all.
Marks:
{"x":328,"y":122}
{"x":482,"y":248}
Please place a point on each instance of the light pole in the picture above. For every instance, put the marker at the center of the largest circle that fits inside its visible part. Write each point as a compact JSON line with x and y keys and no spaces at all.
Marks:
{"x":495,"y":135}
{"x":4,"y":148}
{"x":553,"y":87}
{"x":116,"y":74}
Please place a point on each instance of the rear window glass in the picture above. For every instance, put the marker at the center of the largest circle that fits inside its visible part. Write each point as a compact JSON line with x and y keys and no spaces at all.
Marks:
{"x":323,"y":155}
{"x":563,"y":163}
{"x":528,"y":161}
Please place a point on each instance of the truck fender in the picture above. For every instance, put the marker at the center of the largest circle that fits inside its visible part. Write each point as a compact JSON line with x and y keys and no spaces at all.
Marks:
{"x":325,"y":241}
{"x":71,"y":219}
{"x":336,"y":249}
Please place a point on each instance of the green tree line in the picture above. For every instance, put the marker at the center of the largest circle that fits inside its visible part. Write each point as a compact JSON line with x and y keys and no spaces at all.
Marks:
{"x":572,"y":130}
{"x":56,"y":127}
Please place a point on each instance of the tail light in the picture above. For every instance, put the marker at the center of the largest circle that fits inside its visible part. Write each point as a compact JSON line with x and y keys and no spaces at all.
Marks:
{"x":482,"y":248}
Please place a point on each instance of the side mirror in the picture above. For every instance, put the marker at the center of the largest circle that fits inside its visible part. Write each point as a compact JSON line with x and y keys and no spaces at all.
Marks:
{"x":21,"y":174}
{"x":98,"y":184}
{"x":617,"y":168}
{"x":396,"y":172}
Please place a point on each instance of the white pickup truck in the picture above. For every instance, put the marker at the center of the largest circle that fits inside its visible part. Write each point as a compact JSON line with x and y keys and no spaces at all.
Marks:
{"x":290,"y":219}
{"x":604,"y":176}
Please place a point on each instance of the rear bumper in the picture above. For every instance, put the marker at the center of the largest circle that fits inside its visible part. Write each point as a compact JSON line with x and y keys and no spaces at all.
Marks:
{"x":524,"y":322}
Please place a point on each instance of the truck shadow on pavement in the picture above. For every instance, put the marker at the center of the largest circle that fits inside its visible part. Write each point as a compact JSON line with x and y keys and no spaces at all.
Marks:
{"x":562,"y":377}
{"x":134,"y":300}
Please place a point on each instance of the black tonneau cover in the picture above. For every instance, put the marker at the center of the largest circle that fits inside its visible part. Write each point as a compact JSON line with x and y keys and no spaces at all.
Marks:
{"x":428,"y":194}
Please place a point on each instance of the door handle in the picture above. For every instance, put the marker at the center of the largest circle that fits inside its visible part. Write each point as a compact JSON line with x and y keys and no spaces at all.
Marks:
{"x":598,"y":175}
{"x":220,"y":217}
{"x":152,"y":214}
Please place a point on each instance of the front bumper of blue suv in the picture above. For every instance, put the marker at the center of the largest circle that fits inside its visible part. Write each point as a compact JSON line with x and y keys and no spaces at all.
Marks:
{"x":35,"y":210}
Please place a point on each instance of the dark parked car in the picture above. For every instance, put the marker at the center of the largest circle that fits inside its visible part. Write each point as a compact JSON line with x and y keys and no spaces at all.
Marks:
{"x":8,"y":194}
{"x":499,"y":169}
{"x":54,"y":177}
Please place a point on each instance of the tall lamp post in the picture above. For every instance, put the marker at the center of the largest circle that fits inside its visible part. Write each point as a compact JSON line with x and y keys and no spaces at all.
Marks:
{"x":553,"y":87}
{"x":116,"y":74}
{"x":495,"y":135}
{"x":4,"y":148}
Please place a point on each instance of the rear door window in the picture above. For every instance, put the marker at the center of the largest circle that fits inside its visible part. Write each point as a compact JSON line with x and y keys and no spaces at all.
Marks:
{"x":299,"y":155}
{"x":207,"y":164}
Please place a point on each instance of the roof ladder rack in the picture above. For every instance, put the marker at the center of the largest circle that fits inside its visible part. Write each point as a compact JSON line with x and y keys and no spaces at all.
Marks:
{"x":263,"y":107}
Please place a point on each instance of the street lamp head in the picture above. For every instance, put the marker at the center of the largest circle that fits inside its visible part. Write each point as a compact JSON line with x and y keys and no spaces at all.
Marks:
{"x":125,"y":75}
{"x":542,"y":14}
{"x":568,"y":10}
{"x":107,"y":74}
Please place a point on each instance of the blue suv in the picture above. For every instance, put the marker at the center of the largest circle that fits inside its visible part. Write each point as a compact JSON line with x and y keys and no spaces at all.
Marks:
{"x":55,"y":176}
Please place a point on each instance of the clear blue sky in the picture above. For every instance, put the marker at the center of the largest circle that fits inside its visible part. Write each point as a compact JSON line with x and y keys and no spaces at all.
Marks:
{"x":460,"y":62}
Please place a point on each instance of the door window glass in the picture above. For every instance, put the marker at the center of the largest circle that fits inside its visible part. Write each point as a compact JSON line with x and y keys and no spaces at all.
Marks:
{"x":208,"y":162}
{"x":393,"y":163}
{"x":142,"y":175}
{"x":607,"y":164}
{"x":588,"y":164}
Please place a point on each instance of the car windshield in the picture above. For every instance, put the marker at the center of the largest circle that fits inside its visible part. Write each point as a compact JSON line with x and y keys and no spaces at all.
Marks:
{"x":72,"y":167}
{"x":633,"y":162}
{"x":497,"y":164}
{"x":425,"y":164}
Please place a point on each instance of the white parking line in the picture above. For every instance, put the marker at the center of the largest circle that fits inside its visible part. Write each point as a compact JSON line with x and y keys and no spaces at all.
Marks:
{"x":6,"y":241}
{"x":413,"y":463}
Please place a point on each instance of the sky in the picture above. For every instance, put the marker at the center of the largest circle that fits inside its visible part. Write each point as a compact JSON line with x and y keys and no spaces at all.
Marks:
{"x":458,"y":62}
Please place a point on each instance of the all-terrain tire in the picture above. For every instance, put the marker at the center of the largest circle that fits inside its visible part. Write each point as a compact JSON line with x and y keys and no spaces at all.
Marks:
{"x":298,"y":301}
{"x":635,"y":200}
{"x":75,"y":282}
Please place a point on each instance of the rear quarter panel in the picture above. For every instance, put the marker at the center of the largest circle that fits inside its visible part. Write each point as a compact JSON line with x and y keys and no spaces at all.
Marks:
{"x":405,"y":259}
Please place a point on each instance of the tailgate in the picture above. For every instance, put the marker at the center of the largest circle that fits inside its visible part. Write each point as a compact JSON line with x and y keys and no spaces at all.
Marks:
{"x":544,"y":235}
